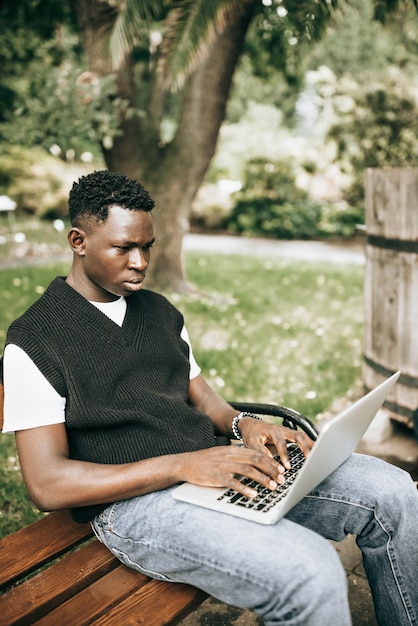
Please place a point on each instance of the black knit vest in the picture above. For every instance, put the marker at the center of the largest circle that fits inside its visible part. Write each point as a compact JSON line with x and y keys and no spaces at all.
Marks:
{"x":126,"y":387}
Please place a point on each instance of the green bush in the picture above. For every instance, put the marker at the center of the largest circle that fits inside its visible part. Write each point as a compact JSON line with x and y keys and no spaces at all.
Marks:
{"x":340,"y":220}
{"x":264,"y":216}
{"x":270,"y":204}
{"x":275,"y":179}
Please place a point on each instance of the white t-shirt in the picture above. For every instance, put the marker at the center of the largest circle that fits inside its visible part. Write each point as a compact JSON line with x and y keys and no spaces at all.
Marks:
{"x":41,"y":404}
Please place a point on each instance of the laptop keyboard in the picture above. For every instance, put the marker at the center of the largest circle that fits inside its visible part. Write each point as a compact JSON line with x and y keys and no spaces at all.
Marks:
{"x":266,"y":498}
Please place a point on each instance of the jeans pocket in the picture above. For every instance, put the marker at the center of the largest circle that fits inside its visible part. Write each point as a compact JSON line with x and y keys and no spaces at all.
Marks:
{"x":102,"y":523}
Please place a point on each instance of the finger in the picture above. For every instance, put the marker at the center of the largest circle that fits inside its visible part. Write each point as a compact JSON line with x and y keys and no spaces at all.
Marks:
{"x":277,"y":441}
{"x":282,"y":451}
{"x":268,"y":473}
{"x":276,"y":469}
{"x":270,"y":450}
{"x":304,"y":442}
{"x":282,"y":436}
{"x":246,"y":486}
{"x":258,"y":464}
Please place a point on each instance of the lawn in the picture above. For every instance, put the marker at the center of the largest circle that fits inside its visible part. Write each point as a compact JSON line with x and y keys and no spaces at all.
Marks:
{"x":265,"y":330}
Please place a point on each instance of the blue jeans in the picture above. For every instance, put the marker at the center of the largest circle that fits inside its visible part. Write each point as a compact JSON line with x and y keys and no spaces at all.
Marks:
{"x":287,"y":573}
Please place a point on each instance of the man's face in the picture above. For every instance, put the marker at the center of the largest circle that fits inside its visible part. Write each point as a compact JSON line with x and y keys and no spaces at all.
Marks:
{"x":114,"y":255}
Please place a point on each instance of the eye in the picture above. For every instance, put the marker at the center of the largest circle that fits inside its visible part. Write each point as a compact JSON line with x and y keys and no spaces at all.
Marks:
{"x":148,"y":246}
{"x":122,"y":248}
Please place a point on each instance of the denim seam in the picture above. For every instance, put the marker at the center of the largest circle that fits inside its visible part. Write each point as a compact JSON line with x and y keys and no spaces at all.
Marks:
{"x":217,"y":566}
{"x":391,"y":557}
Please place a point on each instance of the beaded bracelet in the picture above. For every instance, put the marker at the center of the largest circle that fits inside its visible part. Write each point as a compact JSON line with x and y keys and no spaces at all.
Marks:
{"x":236,"y":420}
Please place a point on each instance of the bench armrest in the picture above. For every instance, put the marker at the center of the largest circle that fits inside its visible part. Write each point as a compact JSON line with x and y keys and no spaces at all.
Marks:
{"x":291,"y":418}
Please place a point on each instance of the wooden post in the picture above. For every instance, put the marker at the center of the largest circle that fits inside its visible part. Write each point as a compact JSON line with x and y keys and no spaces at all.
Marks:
{"x":391,"y":286}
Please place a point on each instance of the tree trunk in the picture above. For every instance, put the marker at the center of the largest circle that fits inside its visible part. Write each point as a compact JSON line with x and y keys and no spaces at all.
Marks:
{"x":96,"y":19}
{"x":172,"y":173}
{"x":180,"y":173}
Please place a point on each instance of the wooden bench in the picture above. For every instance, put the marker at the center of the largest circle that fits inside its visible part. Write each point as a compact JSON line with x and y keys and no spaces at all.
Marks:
{"x":87,"y":585}
{"x":56,"y":572}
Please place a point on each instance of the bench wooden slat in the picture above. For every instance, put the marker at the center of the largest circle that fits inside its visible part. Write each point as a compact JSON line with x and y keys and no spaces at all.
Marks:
{"x":51,"y":587}
{"x":87,"y":585}
{"x":155,"y":604}
{"x":29,"y":548}
{"x":95,"y":600}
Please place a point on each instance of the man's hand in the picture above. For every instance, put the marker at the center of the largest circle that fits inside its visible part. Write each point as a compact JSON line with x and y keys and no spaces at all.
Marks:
{"x":223,"y":466}
{"x":258,"y":435}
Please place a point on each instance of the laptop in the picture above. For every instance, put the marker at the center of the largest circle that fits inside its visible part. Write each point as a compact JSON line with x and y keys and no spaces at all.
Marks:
{"x":337,"y":440}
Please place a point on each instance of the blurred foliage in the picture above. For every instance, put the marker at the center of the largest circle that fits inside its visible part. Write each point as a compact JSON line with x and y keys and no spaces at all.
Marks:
{"x":64,"y":109}
{"x":256,"y":215}
{"x":30,"y":35}
{"x":26,"y":26}
{"x":355,"y":45}
{"x":47,"y":111}
{"x":348,"y":38}
{"x":39,"y":183}
{"x":377,"y":126}
{"x":355,"y":108}
{"x":50,"y":101}
{"x":271,"y":204}
{"x":48,"y":98}
{"x":365,"y":106}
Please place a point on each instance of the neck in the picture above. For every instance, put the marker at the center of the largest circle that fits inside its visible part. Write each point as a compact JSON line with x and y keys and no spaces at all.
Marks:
{"x":87,"y":290}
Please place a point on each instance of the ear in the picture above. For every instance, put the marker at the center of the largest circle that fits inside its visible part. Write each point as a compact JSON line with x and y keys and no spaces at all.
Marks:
{"x":76,"y":239}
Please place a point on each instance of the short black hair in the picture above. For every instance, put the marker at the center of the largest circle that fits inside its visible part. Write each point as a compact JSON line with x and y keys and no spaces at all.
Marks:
{"x":94,"y":194}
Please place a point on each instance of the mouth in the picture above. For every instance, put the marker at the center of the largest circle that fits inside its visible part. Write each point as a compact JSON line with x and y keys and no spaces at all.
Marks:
{"x":134,"y":284}
{"x":138,"y":280}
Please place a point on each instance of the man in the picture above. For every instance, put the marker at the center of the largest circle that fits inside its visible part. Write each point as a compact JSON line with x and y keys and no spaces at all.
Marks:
{"x":111,"y":411}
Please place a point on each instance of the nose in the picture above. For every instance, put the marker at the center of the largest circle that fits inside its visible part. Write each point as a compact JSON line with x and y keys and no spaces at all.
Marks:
{"x":137,"y":260}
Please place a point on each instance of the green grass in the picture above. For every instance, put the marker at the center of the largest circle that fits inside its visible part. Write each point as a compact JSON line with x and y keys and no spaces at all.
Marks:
{"x":271,"y":331}
{"x":287,"y":333}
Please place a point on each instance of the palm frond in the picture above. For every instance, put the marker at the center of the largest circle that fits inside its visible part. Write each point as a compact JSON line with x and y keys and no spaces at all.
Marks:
{"x":189,"y":29}
{"x":309,"y":18}
{"x":132,"y":24}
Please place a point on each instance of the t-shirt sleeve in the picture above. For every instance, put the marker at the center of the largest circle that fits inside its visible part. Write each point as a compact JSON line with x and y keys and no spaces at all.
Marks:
{"x":30,"y":400}
{"x":194,"y":368}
